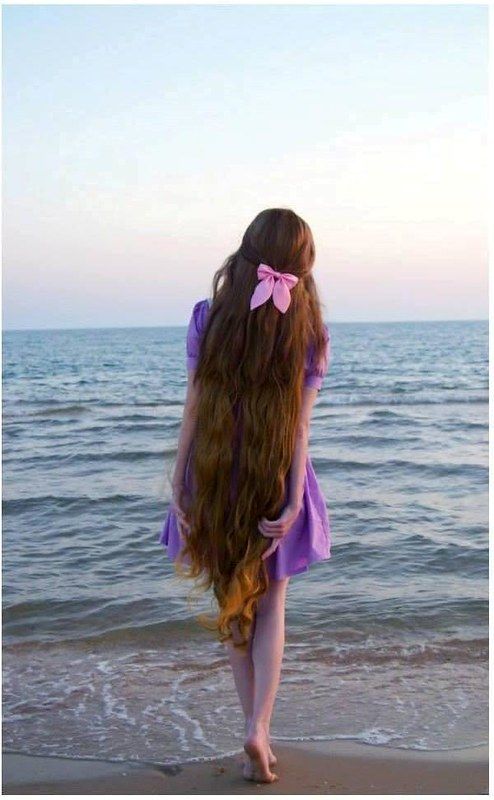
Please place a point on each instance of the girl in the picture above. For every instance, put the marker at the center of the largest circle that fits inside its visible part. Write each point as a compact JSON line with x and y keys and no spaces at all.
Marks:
{"x":247,"y":511}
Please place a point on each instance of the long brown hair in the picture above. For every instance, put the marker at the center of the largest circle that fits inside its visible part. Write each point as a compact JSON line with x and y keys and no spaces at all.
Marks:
{"x":250,"y":373}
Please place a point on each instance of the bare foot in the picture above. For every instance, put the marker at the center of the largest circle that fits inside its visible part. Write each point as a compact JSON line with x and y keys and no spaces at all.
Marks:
{"x":272,"y":760}
{"x":248,"y":766}
{"x":256,"y":746}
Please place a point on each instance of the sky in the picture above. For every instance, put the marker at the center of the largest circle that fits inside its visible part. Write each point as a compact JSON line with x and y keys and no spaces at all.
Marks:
{"x":139,"y":141}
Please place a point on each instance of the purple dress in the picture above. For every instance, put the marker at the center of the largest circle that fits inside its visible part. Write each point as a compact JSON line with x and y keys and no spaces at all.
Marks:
{"x":308,"y":540}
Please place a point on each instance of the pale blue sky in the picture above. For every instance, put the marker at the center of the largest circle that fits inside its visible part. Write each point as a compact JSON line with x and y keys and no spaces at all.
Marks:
{"x":140,"y":141}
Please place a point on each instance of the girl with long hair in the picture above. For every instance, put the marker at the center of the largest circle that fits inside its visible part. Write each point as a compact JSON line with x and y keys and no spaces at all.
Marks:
{"x":247,"y":512}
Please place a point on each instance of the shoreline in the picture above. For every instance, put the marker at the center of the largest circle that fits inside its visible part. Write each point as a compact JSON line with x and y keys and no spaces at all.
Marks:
{"x":314,"y":767}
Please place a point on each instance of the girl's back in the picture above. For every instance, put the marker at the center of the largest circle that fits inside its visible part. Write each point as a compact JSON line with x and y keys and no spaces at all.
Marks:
{"x":256,"y":354}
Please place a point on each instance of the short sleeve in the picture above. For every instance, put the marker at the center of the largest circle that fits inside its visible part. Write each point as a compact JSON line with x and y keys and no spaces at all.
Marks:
{"x":315,"y":371}
{"x":194,"y":331}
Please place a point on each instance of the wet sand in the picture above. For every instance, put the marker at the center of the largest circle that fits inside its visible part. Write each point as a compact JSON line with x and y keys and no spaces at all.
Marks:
{"x":303,"y":767}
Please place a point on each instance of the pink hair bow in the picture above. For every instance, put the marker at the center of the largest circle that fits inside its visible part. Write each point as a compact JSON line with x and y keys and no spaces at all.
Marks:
{"x":273,"y":283}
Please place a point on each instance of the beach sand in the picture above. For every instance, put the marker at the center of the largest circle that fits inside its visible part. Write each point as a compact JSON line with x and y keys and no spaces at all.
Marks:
{"x":338,"y":767}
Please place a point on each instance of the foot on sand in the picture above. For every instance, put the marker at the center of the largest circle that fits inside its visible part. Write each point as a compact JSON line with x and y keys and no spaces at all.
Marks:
{"x":272,"y":760}
{"x":256,"y":746}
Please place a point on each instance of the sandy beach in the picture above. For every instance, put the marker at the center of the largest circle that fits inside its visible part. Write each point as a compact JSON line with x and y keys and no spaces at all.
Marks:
{"x":304,"y":768}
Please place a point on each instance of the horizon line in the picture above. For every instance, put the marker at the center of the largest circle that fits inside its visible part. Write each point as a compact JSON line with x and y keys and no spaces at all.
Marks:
{"x":185,"y":324}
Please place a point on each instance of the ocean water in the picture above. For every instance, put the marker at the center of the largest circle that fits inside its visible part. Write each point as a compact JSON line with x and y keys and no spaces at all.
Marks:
{"x":386,"y":642}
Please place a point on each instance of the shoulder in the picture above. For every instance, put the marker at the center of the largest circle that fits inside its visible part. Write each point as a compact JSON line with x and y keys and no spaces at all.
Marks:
{"x":199,"y":314}
{"x":197,"y":323}
{"x":200,"y":306}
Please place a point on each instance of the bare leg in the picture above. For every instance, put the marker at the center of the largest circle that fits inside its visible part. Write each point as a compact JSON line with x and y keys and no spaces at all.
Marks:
{"x":243,"y":674}
{"x":267,"y":647}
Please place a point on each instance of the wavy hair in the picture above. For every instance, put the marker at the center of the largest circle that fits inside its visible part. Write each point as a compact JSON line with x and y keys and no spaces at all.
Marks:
{"x":250,"y":377}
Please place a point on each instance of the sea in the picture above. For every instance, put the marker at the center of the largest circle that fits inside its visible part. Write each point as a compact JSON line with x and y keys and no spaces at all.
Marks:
{"x":386,"y":641}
